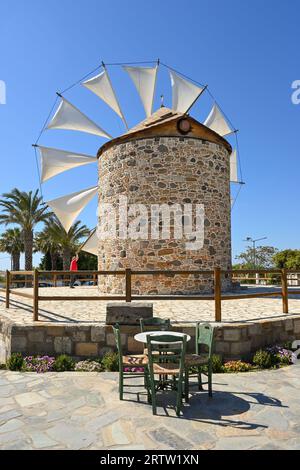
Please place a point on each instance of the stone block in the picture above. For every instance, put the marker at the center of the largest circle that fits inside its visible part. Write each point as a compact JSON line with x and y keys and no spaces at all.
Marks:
{"x":232,"y":334}
{"x":134,"y":347}
{"x":239,"y":348}
{"x":127,"y":313}
{"x":296,"y":326}
{"x":288,"y":325}
{"x":18,"y":344}
{"x":62,"y":345}
{"x":97,"y":334}
{"x":221,"y":347}
{"x":254,"y":330}
{"x":86,"y":349}
{"x":36,"y":336}
{"x":55,"y":330}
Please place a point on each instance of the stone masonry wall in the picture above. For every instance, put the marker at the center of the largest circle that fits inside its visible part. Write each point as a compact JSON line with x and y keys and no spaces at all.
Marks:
{"x":167,"y":170}
{"x":232,"y":341}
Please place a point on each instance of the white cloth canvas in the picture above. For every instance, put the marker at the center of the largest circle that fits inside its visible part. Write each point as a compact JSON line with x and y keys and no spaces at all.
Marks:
{"x":102,"y":87}
{"x":184,"y":93}
{"x":67,"y":208}
{"x":91,"y":244}
{"x":55,"y":161}
{"x":69,"y":117}
{"x":144,"y":79}
{"x":233,"y":167}
{"x":217,"y":122}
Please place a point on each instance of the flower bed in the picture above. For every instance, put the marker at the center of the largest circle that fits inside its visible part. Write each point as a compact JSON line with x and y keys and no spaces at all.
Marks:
{"x":269,"y":358}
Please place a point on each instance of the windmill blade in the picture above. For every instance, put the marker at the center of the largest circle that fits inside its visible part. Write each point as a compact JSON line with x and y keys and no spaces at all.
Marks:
{"x":102,"y":87}
{"x":56,"y":161}
{"x":144,"y":79}
{"x":184,"y":93}
{"x":67,"y":208}
{"x":69,"y":117}
{"x":217,"y":122}
{"x":91,"y":243}
{"x":233,"y":168}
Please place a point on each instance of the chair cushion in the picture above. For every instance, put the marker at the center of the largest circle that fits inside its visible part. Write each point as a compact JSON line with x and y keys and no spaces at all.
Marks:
{"x":165,"y":368}
{"x":135,"y":360}
{"x":196,"y":359}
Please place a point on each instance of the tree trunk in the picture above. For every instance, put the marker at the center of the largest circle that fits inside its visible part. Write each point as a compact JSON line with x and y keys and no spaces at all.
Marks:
{"x":16,"y":261}
{"x":28,"y":248}
{"x":54,"y":258}
{"x":66,"y":259}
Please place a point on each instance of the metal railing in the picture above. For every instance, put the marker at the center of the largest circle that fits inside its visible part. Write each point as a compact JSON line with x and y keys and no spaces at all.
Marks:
{"x":36,"y":276}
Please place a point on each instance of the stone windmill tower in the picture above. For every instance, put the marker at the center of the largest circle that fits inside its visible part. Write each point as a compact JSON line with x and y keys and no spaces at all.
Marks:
{"x":169,"y":161}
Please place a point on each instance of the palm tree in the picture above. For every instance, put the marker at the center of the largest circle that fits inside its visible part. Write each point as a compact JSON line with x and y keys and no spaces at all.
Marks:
{"x":68,"y":242}
{"x":11,"y":242}
{"x":44,"y":243}
{"x":25,"y":210}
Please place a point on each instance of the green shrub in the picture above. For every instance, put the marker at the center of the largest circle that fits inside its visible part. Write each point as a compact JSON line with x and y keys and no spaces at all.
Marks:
{"x":63,"y":363}
{"x":15,"y":362}
{"x":237,"y":366}
{"x":3,"y":367}
{"x":110,"y":362}
{"x":263,"y":359}
{"x":217,"y":364}
{"x":89,"y":366}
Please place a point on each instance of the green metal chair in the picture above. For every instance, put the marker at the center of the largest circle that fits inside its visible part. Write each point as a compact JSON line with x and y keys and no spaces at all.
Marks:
{"x":204,"y":340}
{"x":163,"y":366}
{"x":131,"y":361}
{"x":147,"y":323}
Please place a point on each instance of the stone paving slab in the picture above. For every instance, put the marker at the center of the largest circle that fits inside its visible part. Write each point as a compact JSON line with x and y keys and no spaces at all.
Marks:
{"x":180,"y":311}
{"x":258,"y":410}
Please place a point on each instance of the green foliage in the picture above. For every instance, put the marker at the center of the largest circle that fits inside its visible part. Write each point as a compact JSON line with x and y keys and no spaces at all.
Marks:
{"x":289,"y":259}
{"x":63,"y":363}
{"x":89,"y":366}
{"x":217,"y":364}
{"x":262,"y":257}
{"x":237,"y":366}
{"x":263,"y":359}
{"x":3,"y":367}
{"x":110,"y":362}
{"x":15,"y":362}
{"x":87,"y":261}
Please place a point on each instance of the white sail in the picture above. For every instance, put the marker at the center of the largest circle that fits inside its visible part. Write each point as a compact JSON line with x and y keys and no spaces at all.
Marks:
{"x":69,"y":117}
{"x":91,"y":244}
{"x":217,"y":122}
{"x":233,"y":168}
{"x":55,"y":161}
{"x":184,"y":93}
{"x":102,"y":87}
{"x":144,"y":79}
{"x":67,"y":208}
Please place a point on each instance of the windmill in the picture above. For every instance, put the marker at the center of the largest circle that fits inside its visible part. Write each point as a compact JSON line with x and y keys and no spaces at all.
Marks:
{"x":54,"y":161}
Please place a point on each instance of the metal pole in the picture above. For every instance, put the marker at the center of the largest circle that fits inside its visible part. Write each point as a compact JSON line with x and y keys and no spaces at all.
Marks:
{"x":7,"y":291}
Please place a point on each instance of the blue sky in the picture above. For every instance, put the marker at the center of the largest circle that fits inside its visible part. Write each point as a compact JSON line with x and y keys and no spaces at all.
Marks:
{"x":246,"y":51}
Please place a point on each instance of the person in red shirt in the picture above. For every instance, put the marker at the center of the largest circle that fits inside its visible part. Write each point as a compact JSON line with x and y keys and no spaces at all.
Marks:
{"x":73,"y":267}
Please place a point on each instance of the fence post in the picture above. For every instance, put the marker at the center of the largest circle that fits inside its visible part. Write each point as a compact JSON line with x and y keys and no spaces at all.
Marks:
{"x":218,"y":312}
{"x":55,"y":280}
{"x":35,"y":295}
{"x":285,"y":296}
{"x":128,"y":284}
{"x":7,"y":286}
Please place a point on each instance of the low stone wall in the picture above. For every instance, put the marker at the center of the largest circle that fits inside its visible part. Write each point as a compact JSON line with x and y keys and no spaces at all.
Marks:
{"x":232,"y":340}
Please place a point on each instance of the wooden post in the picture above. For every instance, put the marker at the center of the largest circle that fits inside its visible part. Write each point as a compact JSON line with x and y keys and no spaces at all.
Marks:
{"x":35,"y":295}
{"x":55,"y":280}
{"x":285,"y":295}
{"x":94,"y":279}
{"x":128,"y":284}
{"x":7,"y":286}
{"x":218,"y":312}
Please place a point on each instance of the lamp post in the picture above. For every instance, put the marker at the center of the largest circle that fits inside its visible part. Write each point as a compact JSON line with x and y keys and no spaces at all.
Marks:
{"x":254,"y":241}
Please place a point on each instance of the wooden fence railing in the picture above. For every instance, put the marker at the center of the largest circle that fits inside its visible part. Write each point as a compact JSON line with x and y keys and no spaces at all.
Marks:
{"x":37,"y":276}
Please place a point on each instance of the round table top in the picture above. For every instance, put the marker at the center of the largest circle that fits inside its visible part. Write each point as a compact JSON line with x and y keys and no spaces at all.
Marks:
{"x":142,"y":337}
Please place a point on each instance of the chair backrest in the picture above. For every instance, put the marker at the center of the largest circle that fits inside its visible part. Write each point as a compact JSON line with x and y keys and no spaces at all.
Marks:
{"x":117,"y":334}
{"x":204,"y":337}
{"x":157,"y":344}
{"x":149,"y":323}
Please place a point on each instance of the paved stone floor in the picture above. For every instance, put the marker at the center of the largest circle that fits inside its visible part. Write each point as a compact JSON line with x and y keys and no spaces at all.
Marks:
{"x":187,"y":311}
{"x":72,"y":410}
